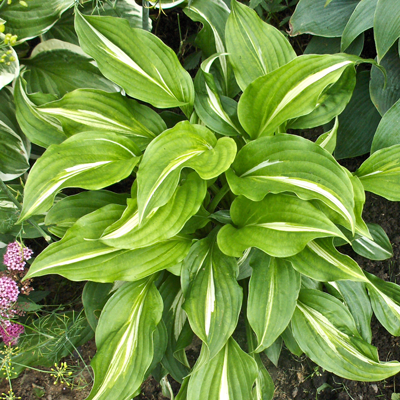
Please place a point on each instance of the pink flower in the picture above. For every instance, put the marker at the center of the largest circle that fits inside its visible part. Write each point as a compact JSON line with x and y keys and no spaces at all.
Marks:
{"x":8,"y":292}
{"x":11,"y":333}
{"x":16,"y":255}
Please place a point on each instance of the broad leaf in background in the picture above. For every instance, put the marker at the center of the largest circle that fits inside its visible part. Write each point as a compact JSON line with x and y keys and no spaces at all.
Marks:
{"x":273,"y":290}
{"x":255,"y":48}
{"x":377,"y":249}
{"x":385,"y":91}
{"x":136,"y":60}
{"x":314,"y":17}
{"x":85,"y":110}
{"x":229,"y":375}
{"x":358,"y":122}
{"x":386,"y":26}
{"x":80,"y":256}
{"x":289,"y":92}
{"x":185,"y":145}
{"x":63,"y":29}
{"x":282,"y":163}
{"x":124,"y":339}
{"x":9,"y":67}
{"x":278,"y":218}
{"x":41,"y":14}
{"x":90,"y":160}
{"x":59,"y":71}
{"x":324,"y":45}
{"x":213,"y":297}
{"x":332,"y":340}
{"x":380,"y":173}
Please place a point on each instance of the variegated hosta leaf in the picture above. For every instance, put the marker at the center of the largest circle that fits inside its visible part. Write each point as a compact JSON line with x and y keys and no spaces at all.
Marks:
{"x":328,"y":139}
{"x":165,"y":4}
{"x":385,"y":300}
{"x":218,"y":112}
{"x":79,"y":256}
{"x":85,"y":110}
{"x":380,"y":173}
{"x":255,"y":48}
{"x":185,"y":145}
{"x":67,"y":211}
{"x":332,"y":341}
{"x":41,"y":14}
{"x":289,"y":92}
{"x":377,"y":248}
{"x":273,"y":290}
{"x":264,"y":385}
{"x":212,"y":295}
{"x":166,"y":222}
{"x":176,"y":322}
{"x":136,"y":60}
{"x":89,"y":160}
{"x":290,"y":163}
{"x":9,"y":67}
{"x":40,"y":129}
{"x":228,"y":376}
{"x":280,"y":225}
{"x":321,"y":261}
{"x":124,"y":339}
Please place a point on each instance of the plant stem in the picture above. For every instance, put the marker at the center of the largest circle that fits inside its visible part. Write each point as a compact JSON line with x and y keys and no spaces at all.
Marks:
{"x":218,"y":197}
{"x":4,"y":188}
{"x":145,"y":15}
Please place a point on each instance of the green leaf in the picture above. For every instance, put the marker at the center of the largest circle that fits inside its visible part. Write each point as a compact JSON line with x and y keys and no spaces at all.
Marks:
{"x":90,"y":160}
{"x":213,"y":297}
{"x":385,"y":301}
{"x":358,"y":122}
{"x":380,"y":173}
{"x":136,"y":60}
{"x":290,"y":342}
{"x":85,"y":110}
{"x":166,"y":222}
{"x":184,"y":146}
{"x":273,"y":352}
{"x":386,"y":26}
{"x":9,"y":70}
{"x":290,"y":163}
{"x":328,"y":139}
{"x":273,"y":290}
{"x":59,"y":71}
{"x":324,"y":45}
{"x":361,"y":20}
{"x":321,"y":261}
{"x":124,"y":339}
{"x":67,"y":211}
{"x":229,"y":375}
{"x":255,"y":48}
{"x":311,"y":16}
{"x":63,"y":29}
{"x":289,"y":92}
{"x":332,"y":341}
{"x":41,"y":15}
{"x":379,"y":248}
{"x":80,"y":256}
{"x":94,"y":297}
{"x":279,"y":218}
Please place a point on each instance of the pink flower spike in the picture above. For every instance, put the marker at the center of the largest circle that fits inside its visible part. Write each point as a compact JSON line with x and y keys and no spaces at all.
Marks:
{"x":16,"y":256}
{"x":11,"y":333}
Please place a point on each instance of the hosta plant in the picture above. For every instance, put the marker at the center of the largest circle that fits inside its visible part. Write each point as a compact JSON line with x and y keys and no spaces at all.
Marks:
{"x":227,"y":217}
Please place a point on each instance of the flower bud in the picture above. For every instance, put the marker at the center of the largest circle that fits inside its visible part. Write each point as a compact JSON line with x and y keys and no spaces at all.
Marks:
{"x":2,"y":28}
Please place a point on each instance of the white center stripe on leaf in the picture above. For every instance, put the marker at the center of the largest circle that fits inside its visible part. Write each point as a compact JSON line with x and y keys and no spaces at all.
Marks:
{"x":210,"y":301}
{"x":263,"y":164}
{"x":372,"y":173}
{"x":117,"y":144}
{"x":132,"y":223}
{"x":224,"y":388}
{"x":287,"y":227}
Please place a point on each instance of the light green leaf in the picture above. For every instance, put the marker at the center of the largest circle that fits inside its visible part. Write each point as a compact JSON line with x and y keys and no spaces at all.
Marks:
{"x":290,"y":163}
{"x":361,"y":19}
{"x":213,"y":297}
{"x":273,"y":290}
{"x":185,"y":145}
{"x":289,"y":92}
{"x":255,"y":48}
{"x":385,"y":301}
{"x":229,"y":375}
{"x":80,"y":256}
{"x":264,"y":385}
{"x":386,"y":26}
{"x":279,"y":218}
{"x":9,"y":67}
{"x":59,"y":71}
{"x":85,"y":110}
{"x":377,"y":248}
{"x":311,"y":16}
{"x":328,"y":139}
{"x":136,"y":60}
{"x":321,"y":261}
{"x":332,"y":341}
{"x":124,"y":339}
{"x":41,"y":15}
{"x":166,"y":222}
{"x":89,"y":160}
{"x":165,"y":4}
{"x":380,"y":173}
